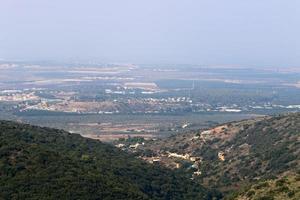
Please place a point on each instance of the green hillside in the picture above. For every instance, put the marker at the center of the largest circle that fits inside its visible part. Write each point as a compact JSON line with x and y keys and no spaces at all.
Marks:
{"x":233,"y":156}
{"x":44,"y":163}
{"x":283,"y":188}
{"x":260,"y":149}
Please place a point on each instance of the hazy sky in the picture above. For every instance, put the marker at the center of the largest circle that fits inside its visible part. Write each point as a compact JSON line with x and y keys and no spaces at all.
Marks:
{"x":239,"y":32}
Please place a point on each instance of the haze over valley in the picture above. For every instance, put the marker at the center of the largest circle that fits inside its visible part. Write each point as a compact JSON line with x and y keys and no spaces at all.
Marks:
{"x":111,"y":101}
{"x":150,"y":100}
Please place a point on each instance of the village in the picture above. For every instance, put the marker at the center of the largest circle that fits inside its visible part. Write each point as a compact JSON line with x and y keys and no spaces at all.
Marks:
{"x":176,"y":160}
{"x":120,"y":101}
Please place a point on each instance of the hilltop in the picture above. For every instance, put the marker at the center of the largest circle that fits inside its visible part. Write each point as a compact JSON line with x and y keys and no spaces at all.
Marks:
{"x":44,"y":163}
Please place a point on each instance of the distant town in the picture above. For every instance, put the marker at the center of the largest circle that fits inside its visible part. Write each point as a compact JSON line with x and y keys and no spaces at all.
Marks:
{"x":118,"y":100}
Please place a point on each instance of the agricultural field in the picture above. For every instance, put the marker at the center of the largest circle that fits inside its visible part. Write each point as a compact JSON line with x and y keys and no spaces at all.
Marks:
{"x":107,"y":101}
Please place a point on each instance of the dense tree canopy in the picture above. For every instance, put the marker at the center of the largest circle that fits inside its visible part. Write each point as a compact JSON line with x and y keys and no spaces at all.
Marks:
{"x":44,"y":163}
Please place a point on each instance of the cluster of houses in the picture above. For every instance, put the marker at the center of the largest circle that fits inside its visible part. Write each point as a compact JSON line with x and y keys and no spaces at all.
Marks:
{"x":172,"y":159}
{"x":131,"y":146}
{"x":19,"y":97}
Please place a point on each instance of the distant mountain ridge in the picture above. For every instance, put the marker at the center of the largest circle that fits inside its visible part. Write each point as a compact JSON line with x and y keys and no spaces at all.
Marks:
{"x":44,"y":163}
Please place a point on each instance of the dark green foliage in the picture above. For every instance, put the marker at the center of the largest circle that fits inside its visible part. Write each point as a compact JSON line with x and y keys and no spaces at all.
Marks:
{"x":43,"y":163}
{"x":261,"y":185}
{"x":280,"y":188}
{"x":265,"y":198}
{"x":273,"y":149}
{"x":250,"y":193}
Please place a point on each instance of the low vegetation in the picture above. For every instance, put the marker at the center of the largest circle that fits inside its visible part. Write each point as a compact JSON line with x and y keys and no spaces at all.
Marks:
{"x":282,"y":188}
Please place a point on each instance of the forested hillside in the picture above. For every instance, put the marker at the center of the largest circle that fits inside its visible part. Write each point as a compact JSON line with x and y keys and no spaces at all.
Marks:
{"x":250,"y":159}
{"x":282,"y":188}
{"x":233,"y":156}
{"x":44,"y":163}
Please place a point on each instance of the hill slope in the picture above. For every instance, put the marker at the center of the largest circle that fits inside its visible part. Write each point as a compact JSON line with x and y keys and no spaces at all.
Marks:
{"x":43,"y":163}
{"x":283,"y":188}
{"x":233,"y":155}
